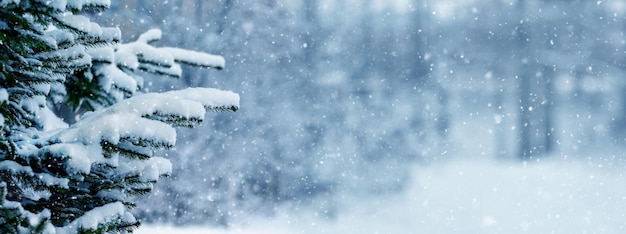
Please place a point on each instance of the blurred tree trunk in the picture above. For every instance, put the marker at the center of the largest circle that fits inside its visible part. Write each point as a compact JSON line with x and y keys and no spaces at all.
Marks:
{"x":365,"y":34}
{"x":426,"y":38}
{"x":222,"y":20}
{"x":535,"y":90}
{"x":311,"y":46}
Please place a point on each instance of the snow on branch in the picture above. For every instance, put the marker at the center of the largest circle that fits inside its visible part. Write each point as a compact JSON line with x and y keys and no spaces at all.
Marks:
{"x":114,"y":128}
{"x":113,"y":77}
{"x":140,"y":55}
{"x":196,"y":58}
{"x":212,"y":99}
{"x":88,"y":4}
{"x":150,"y":170}
{"x":150,"y":36}
{"x":83,"y":31}
{"x":75,"y":5}
{"x":5,"y":3}
{"x":79,"y":156}
{"x":80,"y":23}
{"x":93,"y":219}
{"x":146,"y":120}
{"x":44,"y":178}
{"x":102,"y":54}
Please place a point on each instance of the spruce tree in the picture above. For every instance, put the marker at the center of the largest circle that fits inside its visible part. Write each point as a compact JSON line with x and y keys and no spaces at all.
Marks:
{"x":76,"y":176}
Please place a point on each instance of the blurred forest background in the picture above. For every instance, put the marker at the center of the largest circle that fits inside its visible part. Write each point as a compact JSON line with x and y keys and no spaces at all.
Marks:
{"x":342,"y":97}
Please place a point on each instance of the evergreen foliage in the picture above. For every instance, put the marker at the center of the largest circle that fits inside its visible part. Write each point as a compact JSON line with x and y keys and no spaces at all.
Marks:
{"x":78,"y":178}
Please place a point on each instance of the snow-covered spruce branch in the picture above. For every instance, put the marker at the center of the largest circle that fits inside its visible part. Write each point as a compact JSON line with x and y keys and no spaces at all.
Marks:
{"x":114,"y":68}
{"x":145,"y":120}
{"x":140,"y":55}
{"x":179,"y":55}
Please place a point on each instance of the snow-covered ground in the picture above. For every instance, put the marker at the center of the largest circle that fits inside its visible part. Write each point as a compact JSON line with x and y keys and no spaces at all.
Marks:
{"x":553,"y":196}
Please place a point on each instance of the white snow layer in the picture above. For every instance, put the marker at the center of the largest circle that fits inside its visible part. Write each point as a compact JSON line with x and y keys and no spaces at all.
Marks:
{"x":111,"y":75}
{"x":129,"y":120}
{"x":141,"y":55}
{"x":82,"y":23}
{"x":114,"y":77}
{"x":49,"y":180}
{"x":4,"y":95}
{"x":150,"y":170}
{"x":196,"y":58}
{"x":4,"y":3}
{"x":80,"y":156}
{"x":79,"y":4}
{"x":57,"y":5}
{"x":102,"y":54}
{"x":111,"y":34}
{"x":92,"y":218}
{"x":62,"y":5}
{"x":150,"y":36}
{"x":35,"y":219}
{"x":49,"y":120}
{"x":113,"y":127}
{"x":209,"y":97}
